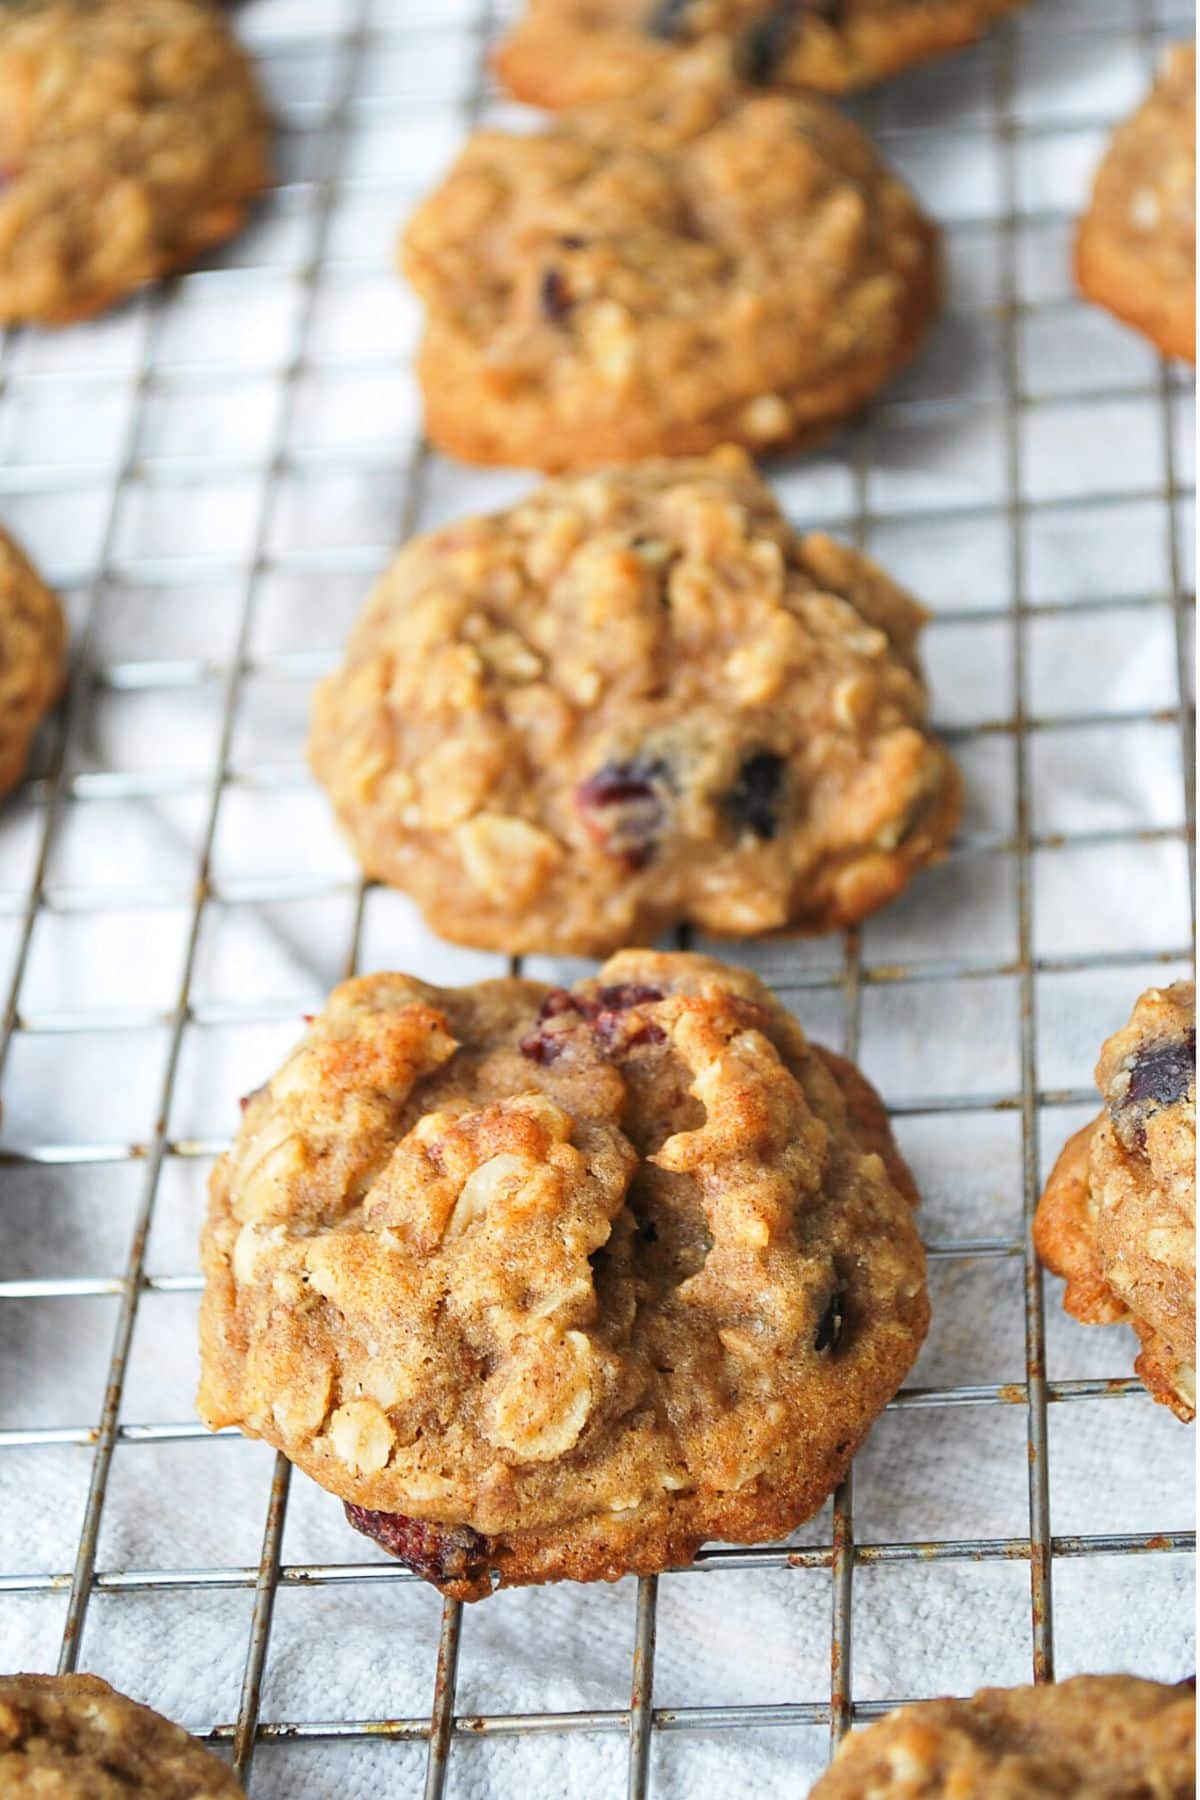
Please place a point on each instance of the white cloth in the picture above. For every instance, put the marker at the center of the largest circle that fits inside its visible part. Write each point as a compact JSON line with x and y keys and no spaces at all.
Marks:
{"x":367,"y":1651}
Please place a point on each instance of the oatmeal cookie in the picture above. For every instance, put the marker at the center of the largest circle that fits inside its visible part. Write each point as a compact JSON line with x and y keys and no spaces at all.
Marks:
{"x":75,"y":1738}
{"x":132,"y":138}
{"x":33,"y":641}
{"x":556,"y":1284}
{"x":659,"y":279}
{"x":1118,"y":1217}
{"x":1135,"y":252}
{"x":636,"y":698}
{"x":575,"y":52}
{"x":1095,"y":1737}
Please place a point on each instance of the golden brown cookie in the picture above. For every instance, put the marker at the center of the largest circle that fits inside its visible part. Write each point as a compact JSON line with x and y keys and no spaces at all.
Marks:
{"x":550,"y":1283}
{"x":572,"y":52}
{"x":1096,"y":1737}
{"x":1118,"y":1217}
{"x":132,"y":138}
{"x":72,"y":1737}
{"x":1135,"y":251}
{"x":636,"y":698}
{"x":33,"y":641}
{"x":703,"y":267}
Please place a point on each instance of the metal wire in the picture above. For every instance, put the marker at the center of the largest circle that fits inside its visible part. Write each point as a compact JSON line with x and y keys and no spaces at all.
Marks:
{"x":850,"y":974}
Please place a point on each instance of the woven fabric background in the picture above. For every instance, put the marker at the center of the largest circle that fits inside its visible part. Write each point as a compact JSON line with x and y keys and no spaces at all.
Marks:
{"x":213,"y":475}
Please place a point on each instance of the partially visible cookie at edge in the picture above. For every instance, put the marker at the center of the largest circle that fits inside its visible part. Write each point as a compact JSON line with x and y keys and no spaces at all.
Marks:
{"x":559,"y":1283}
{"x":132,"y":138}
{"x":705,"y":266}
{"x":1118,"y":1217}
{"x":575,"y":52}
{"x":636,"y":698}
{"x":75,"y":1737}
{"x":1135,"y":251}
{"x":1095,"y":1737}
{"x":33,"y":640}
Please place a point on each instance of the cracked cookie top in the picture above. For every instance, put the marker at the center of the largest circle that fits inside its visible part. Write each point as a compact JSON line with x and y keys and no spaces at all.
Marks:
{"x":131,"y":137}
{"x":637,"y":697}
{"x":74,"y":1737}
{"x":513,"y":1257}
{"x":33,"y":642}
{"x":1118,"y":1218}
{"x":1096,"y":1737}
{"x":1135,"y":252}
{"x":705,"y":266}
{"x":572,"y":52}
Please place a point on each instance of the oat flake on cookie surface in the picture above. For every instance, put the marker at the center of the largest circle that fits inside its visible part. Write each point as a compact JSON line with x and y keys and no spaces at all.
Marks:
{"x":703,"y":266}
{"x":551,"y":1283}
{"x":132,"y":138}
{"x":572,"y":52}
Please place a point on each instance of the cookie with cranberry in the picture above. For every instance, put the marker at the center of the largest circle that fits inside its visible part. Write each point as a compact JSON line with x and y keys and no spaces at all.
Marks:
{"x":132,"y":137}
{"x":1095,"y":1737}
{"x":572,"y":52}
{"x":33,"y":641}
{"x":552,"y":1283}
{"x":1135,"y":251}
{"x":636,"y":698}
{"x":634,"y":281}
{"x":1118,"y":1217}
{"x":75,"y":1738}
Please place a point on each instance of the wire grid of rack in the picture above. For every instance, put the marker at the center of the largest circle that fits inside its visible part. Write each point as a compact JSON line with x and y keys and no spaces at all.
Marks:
{"x":359,"y":99}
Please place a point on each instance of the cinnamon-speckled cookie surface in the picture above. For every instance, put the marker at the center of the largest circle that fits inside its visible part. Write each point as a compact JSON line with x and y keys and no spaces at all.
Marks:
{"x":132,"y":138}
{"x":72,"y":1737}
{"x":554,"y":1283}
{"x":1135,"y":252}
{"x":33,"y":637}
{"x":636,"y":698}
{"x":571,"y":52}
{"x":658,"y":279}
{"x":1096,"y":1737}
{"x":1118,"y":1218}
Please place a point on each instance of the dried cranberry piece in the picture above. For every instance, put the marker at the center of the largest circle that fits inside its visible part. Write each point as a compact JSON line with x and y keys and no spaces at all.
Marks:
{"x":1162,"y":1073}
{"x":616,"y":1032}
{"x":622,"y":994}
{"x":558,"y":1001}
{"x":438,"y":1553}
{"x":545,"y":1046}
{"x":832,"y":1323}
{"x":754,"y":798}
{"x":624,"y":807}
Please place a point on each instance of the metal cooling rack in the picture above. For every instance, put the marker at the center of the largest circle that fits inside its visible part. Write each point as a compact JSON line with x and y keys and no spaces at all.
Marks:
{"x":325,"y":175}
